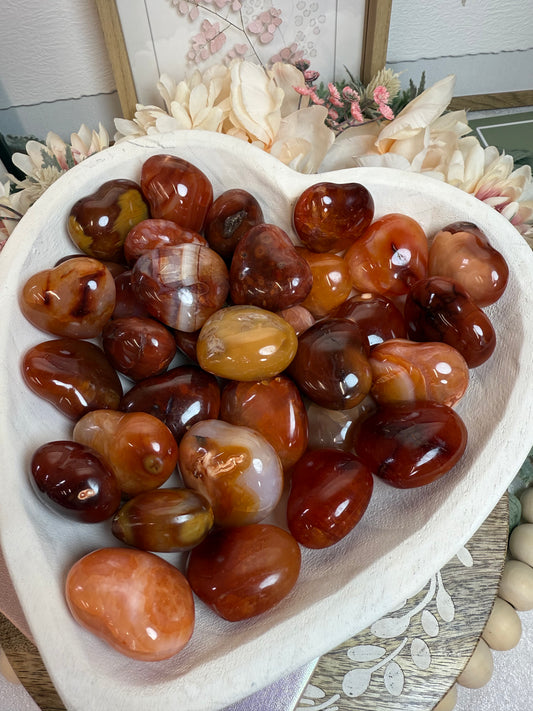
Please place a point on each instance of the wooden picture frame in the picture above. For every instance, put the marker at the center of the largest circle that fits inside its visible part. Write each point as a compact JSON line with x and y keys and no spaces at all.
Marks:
{"x":370,"y":37}
{"x":377,"y":28}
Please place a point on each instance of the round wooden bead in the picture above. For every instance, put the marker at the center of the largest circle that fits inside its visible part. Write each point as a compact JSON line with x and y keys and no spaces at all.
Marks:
{"x":478,"y":670}
{"x":527,"y":505}
{"x":504,"y":627}
{"x":447,"y":703}
{"x":521,"y":543}
{"x":516,"y":584}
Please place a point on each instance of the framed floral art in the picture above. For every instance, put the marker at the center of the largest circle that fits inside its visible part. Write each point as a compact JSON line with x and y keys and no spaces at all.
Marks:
{"x":147,"y":38}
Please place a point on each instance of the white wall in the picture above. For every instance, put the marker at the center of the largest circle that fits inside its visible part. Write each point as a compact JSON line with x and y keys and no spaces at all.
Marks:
{"x":487,"y":44}
{"x":55,"y":72}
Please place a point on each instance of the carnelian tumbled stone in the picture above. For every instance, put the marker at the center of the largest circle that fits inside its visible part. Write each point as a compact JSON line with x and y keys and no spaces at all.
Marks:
{"x":411,"y":444}
{"x":176,"y":190}
{"x":329,"y":217}
{"x":139,"y":448}
{"x":74,"y":299}
{"x":390,"y":257}
{"x":153,"y":233}
{"x":330,"y":366}
{"x":230,"y":216}
{"x":164,"y":520}
{"x":137,"y":602}
{"x":378,"y":318}
{"x":179,"y":397}
{"x":267,"y":271}
{"x":246,"y":343}
{"x":138,"y":347}
{"x":75,"y":481}
{"x":439,"y":309}
{"x":245,"y":571}
{"x":235,"y":468}
{"x":272,"y":407}
{"x":330,"y":492}
{"x":404,"y":370}
{"x":98,"y":223}
{"x":181,"y":285}
{"x":74,"y":376}
{"x":461,"y":251}
{"x":331,"y":282}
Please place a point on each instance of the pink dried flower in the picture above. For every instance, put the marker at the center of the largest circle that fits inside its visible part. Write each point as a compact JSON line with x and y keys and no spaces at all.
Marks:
{"x":356,"y":112}
{"x":334,"y":96}
{"x":333,"y":114}
{"x":381,"y":97}
{"x":350,"y":94}
{"x":310,"y":75}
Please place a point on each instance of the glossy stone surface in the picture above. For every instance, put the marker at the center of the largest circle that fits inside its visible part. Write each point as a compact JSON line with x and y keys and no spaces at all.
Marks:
{"x":179,"y":397}
{"x":164,"y":520}
{"x":138,"y":347}
{"x":74,"y":299}
{"x":235,"y":468}
{"x":242,"y":572}
{"x":461,"y":251}
{"x":75,"y":481}
{"x":186,"y":342}
{"x":139,"y":448}
{"x":126,"y":302}
{"x":329,"y":217}
{"x":74,"y":376}
{"x":411,"y":444}
{"x":246,"y":343}
{"x":267,"y":271}
{"x":378,"y":318}
{"x":404,"y":370}
{"x":439,"y":309}
{"x":298,"y":317}
{"x":334,"y":428}
{"x":331,"y":282}
{"x":330,"y":366}
{"x":390,"y":257}
{"x":330,"y":491}
{"x":230,"y":216}
{"x":135,"y":601}
{"x":182,"y":285}
{"x":176,"y":190}
{"x":98,"y":223}
{"x":153,"y":233}
{"x":272,"y":407}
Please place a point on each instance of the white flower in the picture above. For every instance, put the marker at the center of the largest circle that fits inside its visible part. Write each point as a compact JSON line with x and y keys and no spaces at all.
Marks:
{"x":303,"y":139}
{"x":287,"y":76}
{"x":44,"y":163}
{"x":255,"y":103}
{"x":200,"y":102}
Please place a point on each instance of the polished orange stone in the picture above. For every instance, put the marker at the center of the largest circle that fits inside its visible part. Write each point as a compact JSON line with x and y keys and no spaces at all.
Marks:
{"x":74,"y":299}
{"x":389,"y":257}
{"x":462,"y":252}
{"x":331,"y":282}
{"x":138,"y":447}
{"x":235,"y":468}
{"x":272,"y":407}
{"x":246,"y":343}
{"x":245,"y":571}
{"x":137,"y":602}
{"x":404,"y":370}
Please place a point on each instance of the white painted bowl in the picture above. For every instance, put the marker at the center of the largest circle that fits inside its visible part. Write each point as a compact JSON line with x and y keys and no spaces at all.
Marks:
{"x":404,"y":537}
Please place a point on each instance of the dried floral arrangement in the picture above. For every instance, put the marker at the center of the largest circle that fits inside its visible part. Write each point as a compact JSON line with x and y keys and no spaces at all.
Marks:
{"x":284,"y":107}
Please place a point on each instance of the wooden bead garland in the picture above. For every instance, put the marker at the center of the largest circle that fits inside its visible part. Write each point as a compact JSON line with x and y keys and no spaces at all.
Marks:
{"x":504,"y":627}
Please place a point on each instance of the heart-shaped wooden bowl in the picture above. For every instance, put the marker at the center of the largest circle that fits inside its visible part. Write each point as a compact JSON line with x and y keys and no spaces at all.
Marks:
{"x":405,"y":535}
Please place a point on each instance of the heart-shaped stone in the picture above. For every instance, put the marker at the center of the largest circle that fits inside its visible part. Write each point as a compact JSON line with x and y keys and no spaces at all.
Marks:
{"x":267,"y":271}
